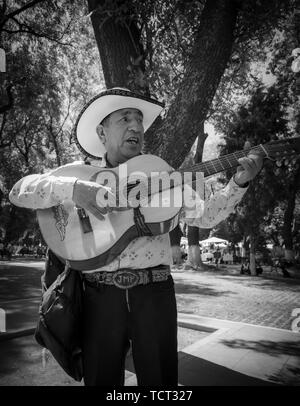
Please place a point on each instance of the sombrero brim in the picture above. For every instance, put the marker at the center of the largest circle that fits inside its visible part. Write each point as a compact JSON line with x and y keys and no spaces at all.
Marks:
{"x":100,"y":107}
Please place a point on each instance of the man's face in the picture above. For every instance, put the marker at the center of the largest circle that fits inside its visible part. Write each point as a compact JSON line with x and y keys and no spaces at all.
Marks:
{"x":122,"y":134}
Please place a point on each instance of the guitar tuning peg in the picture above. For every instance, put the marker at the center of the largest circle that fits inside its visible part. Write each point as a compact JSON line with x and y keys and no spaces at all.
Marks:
{"x":286,"y":161}
{"x":279,"y":163}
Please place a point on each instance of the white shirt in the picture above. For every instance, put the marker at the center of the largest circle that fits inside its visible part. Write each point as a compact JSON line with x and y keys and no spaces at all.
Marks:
{"x":47,"y":190}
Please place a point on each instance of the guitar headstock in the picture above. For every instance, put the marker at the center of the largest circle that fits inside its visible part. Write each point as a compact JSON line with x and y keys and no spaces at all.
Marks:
{"x":288,"y":148}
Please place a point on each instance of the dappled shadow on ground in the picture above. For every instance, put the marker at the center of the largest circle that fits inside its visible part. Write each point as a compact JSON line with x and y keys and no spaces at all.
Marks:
{"x":19,"y":282}
{"x":289,"y":375}
{"x":18,"y":353}
{"x":265,"y":282}
{"x":183,"y":287}
{"x":21,"y":314}
{"x":21,"y":365}
{"x":194,"y":371}
{"x":274,"y":348}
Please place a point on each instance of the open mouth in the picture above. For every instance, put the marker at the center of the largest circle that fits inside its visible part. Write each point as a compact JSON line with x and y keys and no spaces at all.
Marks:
{"x":133,"y":140}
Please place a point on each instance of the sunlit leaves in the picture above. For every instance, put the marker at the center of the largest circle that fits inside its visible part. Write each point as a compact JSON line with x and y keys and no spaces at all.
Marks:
{"x":50,"y":84}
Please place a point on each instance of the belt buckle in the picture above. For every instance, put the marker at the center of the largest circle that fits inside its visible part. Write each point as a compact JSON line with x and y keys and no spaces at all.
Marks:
{"x":101,"y":278}
{"x":125,"y":279}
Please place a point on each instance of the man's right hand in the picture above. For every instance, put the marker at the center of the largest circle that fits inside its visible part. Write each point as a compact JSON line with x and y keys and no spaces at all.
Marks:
{"x":85,"y":196}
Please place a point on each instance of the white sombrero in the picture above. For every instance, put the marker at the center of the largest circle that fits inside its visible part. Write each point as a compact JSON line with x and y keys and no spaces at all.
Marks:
{"x":104,"y":104}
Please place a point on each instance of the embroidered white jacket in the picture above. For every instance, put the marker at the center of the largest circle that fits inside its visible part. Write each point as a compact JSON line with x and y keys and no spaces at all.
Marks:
{"x":46,"y":190}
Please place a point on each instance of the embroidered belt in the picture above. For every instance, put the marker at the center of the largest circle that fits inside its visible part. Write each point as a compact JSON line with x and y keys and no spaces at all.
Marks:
{"x":127,"y":278}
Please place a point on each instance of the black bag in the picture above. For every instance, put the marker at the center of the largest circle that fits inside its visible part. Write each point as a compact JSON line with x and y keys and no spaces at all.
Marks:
{"x":59,"y":328}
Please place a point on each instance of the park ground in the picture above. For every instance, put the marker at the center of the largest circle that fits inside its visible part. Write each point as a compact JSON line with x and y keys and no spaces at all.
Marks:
{"x":267,"y":300}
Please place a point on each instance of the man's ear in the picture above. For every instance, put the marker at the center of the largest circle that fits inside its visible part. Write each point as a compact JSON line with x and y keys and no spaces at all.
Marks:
{"x":101,"y":133}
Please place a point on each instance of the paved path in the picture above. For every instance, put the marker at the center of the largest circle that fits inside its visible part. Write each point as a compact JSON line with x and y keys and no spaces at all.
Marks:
{"x":23,"y":364}
{"x":240,"y":354}
{"x":237,"y":354}
{"x":267,"y":300}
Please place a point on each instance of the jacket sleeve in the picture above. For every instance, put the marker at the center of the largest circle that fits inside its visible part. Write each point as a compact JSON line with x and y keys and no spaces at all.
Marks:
{"x":208,"y":213}
{"x":42,"y":191}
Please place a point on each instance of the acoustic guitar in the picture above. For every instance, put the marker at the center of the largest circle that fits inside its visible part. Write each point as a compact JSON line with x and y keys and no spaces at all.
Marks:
{"x":87,"y":242}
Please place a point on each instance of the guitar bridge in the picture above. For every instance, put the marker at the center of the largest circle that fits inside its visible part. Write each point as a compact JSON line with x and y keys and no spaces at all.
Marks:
{"x":84,"y":220}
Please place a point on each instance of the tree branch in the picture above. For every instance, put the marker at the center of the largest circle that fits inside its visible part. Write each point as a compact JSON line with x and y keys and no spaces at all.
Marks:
{"x":23,"y":8}
{"x":10,"y":103}
{"x":203,"y":71}
{"x":2,"y":124}
{"x":68,"y":111}
{"x":26,"y":29}
{"x":39,"y":35}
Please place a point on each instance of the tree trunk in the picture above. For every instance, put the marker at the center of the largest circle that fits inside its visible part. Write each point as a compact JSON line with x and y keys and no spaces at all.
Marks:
{"x":1,"y":197}
{"x":289,"y":216}
{"x":6,"y":98}
{"x":9,"y":224}
{"x":175,"y":238}
{"x":122,"y":61}
{"x":245,"y":247}
{"x":194,"y":256}
{"x":119,"y":45}
{"x":252,"y":255}
{"x":56,"y":147}
{"x":211,"y":51}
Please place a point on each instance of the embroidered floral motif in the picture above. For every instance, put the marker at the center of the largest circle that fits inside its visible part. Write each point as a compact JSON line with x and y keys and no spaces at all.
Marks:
{"x":132,"y":255}
{"x":61,"y":220}
{"x":141,"y":252}
{"x":150,"y":239}
{"x":41,"y":193}
{"x":160,"y":239}
{"x":15,"y":192}
{"x":149,"y":255}
{"x":123,"y":255}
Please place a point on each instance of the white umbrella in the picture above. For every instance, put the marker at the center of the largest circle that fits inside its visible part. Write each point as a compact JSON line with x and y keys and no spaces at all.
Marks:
{"x":213,"y":240}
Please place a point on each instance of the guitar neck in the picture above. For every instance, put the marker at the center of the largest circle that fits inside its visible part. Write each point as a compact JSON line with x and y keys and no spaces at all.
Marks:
{"x":273,"y":150}
{"x":208,"y":168}
{"x":222,"y":163}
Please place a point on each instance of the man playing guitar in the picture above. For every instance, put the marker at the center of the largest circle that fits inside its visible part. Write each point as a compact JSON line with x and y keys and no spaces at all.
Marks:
{"x":129,"y":293}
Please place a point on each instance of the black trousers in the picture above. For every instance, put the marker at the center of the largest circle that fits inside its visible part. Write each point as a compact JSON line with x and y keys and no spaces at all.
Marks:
{"x":147,"y":316}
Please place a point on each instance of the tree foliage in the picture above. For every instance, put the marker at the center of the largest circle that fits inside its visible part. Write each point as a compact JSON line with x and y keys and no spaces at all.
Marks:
{"x":263,"y":119}
{"x":271,"y":113}
{"x":49,"y":81}
{"x":196,"y":55}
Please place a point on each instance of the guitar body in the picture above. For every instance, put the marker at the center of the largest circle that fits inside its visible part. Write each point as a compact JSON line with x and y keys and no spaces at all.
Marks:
{"x":88,"y":243}
{"x":91,"y":247}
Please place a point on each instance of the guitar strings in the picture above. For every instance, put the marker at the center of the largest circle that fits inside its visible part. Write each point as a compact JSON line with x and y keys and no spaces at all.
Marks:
{"x":216,"y":164}
{"x":220,"y":164}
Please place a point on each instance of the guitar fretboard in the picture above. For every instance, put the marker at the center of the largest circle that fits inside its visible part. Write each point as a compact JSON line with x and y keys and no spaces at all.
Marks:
{"x":208,"y":168}
{"x":222,"y":163}
{"x":281,"y":148}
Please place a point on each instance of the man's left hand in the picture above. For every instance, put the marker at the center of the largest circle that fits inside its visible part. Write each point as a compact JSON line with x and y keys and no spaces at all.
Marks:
{"x":250,"y":167}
